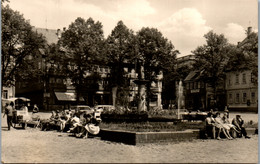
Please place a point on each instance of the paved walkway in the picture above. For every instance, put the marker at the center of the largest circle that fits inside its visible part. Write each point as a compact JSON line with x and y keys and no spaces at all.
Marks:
{"x":34,"y":146}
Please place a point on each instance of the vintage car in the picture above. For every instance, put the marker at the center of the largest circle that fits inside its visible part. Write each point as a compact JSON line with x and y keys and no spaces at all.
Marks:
{"x":83,"y":108}
{"x":102,"y":108}
{"x":88,"y":110}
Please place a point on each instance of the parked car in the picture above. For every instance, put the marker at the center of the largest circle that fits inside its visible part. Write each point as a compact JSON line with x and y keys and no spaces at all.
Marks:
{"x":83,"y":108}
{"x":102,"y":108}
{"x":87,"y":109}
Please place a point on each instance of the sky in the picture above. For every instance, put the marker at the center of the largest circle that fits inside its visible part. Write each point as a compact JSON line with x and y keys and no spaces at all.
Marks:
{"x":183,"y":22}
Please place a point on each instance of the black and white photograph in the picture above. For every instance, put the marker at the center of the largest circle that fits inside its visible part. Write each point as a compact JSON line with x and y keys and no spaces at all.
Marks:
{"x":129,"y":81}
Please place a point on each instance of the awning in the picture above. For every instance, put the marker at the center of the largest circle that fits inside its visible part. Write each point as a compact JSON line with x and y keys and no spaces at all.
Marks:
{"x":16,"y":98}
{"x":64,"y":96}
{"x":67,"y":96}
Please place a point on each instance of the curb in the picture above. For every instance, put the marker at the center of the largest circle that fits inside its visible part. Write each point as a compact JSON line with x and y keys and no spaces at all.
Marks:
{"x":136,"y":138}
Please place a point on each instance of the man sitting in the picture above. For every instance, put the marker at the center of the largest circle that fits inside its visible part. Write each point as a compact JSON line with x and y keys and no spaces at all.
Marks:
{"x":239,"y":123}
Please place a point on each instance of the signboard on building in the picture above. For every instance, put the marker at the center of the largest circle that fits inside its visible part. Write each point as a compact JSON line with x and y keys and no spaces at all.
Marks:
{"x":195,"y":91}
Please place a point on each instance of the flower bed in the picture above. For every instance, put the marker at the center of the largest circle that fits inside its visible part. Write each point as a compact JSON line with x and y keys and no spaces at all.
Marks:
{"x":152,"y":126}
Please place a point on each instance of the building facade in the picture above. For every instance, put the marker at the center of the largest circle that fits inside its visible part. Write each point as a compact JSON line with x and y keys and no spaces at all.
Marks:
{"x":242,"y":93}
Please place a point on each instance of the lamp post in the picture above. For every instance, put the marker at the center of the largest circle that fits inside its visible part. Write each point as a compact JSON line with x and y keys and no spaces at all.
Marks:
{"x":45,"y":94}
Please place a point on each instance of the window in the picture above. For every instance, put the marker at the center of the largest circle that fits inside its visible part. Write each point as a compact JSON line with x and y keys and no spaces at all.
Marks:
{"x":229,"y":81}
{"x":237,"y":98}
{"x":237,"y":78}
{"x":230,"y":98}
{"x":252,"y":77}
{"x":191,"y":85}
{"x":244,"y":78}
{"x":201,"y":84}
{"x":244,"y":97}
{"x":253,"y":97}
{"x":5,"y":94}
{"x":188,"y":85}
{"x":195,"y":85}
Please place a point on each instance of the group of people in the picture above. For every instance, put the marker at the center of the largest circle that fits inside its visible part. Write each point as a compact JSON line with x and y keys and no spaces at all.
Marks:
{"x":78,"y":123}
{"x":217,"y":124}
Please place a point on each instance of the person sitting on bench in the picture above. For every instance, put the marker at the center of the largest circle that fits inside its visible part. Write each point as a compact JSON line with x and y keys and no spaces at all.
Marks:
{"x":225,"y":128}
{"x":211,"y":127}
{"x":239,"y":123}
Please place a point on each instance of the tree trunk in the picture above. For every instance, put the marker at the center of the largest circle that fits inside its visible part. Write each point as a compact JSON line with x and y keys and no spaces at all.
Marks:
{"x":114,"y":93}
{"x":148,"y":96}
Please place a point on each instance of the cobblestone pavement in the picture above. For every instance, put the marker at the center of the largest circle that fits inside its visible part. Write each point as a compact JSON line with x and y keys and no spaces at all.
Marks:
{"x":35,"y":146}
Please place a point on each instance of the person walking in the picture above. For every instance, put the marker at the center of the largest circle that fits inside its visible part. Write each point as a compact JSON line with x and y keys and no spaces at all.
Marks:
{"x":9,"y":114}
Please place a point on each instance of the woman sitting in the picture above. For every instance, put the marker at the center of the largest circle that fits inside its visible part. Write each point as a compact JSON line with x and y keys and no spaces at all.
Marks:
{"x":74,"y":123}
{"x":225,"y":128}
{"x":89,"y":124}
{"x":227,"y":122}
{"x":47,"y":124}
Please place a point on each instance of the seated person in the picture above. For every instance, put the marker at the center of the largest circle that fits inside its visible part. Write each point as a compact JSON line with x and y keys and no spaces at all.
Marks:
{"x":227,"y":122}
{"x":54,"y":121}
{"x":74,"y":122}
{"x":239,"y":123}
{"x":47,"y":124}
{"x":210,"y":126}
{"x":225,"y":128}
{"x":63,"y":120}
{"x":84,"y":121}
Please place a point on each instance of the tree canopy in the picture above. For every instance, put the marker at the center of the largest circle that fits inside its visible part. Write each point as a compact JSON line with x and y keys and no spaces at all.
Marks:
{"x":244,"y":56}
{"x":83,"y":44}
{"x":121,"y":48}
{"x":212,"y":58}
{"x":156,"y":54}
{"x":20,"y":46}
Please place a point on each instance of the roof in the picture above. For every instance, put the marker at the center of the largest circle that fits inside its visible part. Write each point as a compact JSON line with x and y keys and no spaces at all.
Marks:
{"x":190,"y":76}
{"x":49,"y":34}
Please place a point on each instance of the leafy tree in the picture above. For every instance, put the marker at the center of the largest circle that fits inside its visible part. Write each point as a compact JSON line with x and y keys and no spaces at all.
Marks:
{"x":211,"y":59}
{"x":82,"y":43}
{"x":244,"y":56}
{"x":121,"y":48}
{"x":156,"y":52}
{"x":20,"y":48}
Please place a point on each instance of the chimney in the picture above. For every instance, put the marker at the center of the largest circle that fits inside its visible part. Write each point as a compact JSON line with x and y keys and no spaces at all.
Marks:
{"x":238,"y":44}
{"x":58,"y":33}
{"x":249,"y":30}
